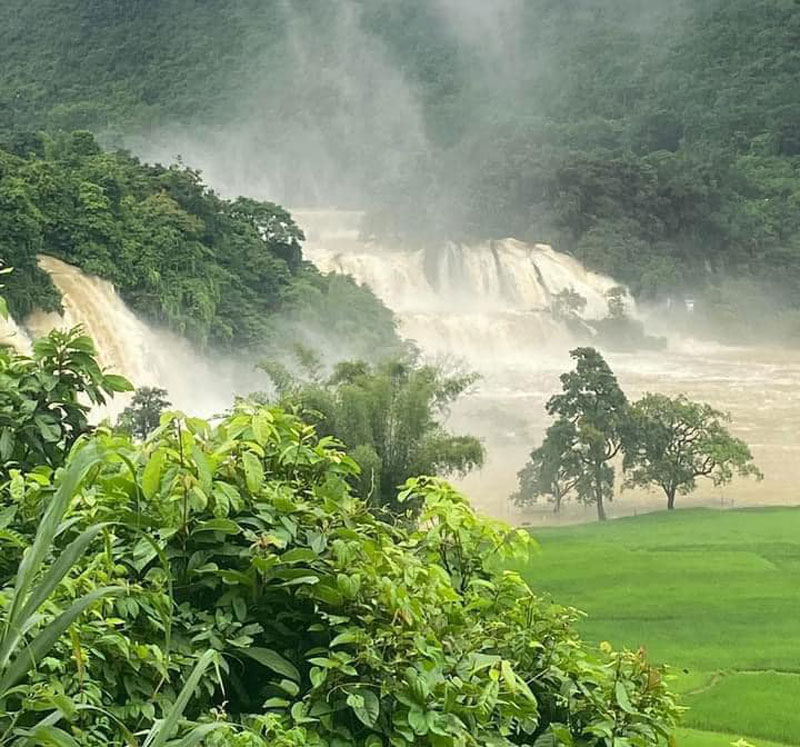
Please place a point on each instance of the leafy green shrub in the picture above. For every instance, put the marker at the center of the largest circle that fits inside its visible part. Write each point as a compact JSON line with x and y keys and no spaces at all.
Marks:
{"x":332,"y":627}
{"x":45,"y":400}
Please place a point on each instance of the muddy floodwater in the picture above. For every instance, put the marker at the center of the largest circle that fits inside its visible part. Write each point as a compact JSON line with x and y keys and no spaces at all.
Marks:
{"x":760,"y":387}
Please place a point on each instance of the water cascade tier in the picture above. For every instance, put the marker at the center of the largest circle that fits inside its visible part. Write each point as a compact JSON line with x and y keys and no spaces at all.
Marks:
{"x":13,"y":335}
{"x":484,"y":301}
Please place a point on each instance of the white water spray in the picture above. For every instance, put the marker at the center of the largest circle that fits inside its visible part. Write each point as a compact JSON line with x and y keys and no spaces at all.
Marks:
{"x":14,"y":336}
{"x":486,"y":302}
{"x":126,"y":345}
{"x":489,"y":304}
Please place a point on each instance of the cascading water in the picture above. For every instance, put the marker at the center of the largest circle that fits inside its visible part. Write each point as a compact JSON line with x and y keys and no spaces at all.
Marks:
{"x":12,"y":335}
{"x":126,"y":345}
{"x":484,"y":302}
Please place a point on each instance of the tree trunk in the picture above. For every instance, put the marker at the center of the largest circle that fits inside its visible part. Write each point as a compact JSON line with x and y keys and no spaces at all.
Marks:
{"x":601,"y":512}
{"x":598,"y":496}
{"x":671,"y":500}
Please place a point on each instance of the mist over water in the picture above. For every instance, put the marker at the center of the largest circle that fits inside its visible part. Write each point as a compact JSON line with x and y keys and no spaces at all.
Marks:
{"x":329,"y":117}
{"x":484,"y":307}
{"x":327,"y":113}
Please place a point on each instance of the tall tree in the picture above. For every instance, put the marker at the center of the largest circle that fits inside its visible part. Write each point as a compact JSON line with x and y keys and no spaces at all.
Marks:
{"x":671,"y":442}
{"x":142,"y":416}
{"x":596,"y":407}
{"x":554,"y":469}
{"x":391,"y":416}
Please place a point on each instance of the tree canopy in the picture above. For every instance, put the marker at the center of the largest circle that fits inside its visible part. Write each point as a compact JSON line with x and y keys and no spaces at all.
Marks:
{"x":143,"y":415}
{"x":673,"y":441}
{"x":554,"y":468}
{"x":663,"y":441}
{"x":592,"y":410}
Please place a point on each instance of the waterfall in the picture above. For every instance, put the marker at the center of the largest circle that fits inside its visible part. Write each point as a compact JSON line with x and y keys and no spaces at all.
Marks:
{"x":484,"y":302}
{"x":12,"y":335}
{"x":127,"y":345}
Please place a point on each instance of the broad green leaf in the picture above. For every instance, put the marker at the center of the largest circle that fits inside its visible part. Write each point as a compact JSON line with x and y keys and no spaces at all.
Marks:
{"x":48,"y":427}
{"x":203,"y":468}
{"x":6,"y":443}
{"x":262,"y":427}
{"x":273,"y":660}
{"x":253,"y":471}
{"x":50,"y":736}
{"x":418,"y":722}
{"x":151,"y":477}
{"x":116,"y":383}
{"x":240,"y":609}
{"x":298,"y":555}
{"x":365,"y":705}
{"x":548,"y":739}
{"x":277,"y":703}
{"x":349,"y":636}
{"x":226,"y":526}
{"x":623,"y":699}
{"x":290,"y":687}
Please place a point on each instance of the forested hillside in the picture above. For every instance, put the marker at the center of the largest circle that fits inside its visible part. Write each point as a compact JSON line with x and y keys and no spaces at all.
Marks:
{"x":659,"y":142}
{"x":224,"y":273}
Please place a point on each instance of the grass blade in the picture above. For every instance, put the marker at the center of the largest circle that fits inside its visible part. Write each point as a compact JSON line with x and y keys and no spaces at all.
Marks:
{"x":57,"y":571}
{"x":160,"y":732}
{"x":32,"y":560}
{"x":42,"y":643}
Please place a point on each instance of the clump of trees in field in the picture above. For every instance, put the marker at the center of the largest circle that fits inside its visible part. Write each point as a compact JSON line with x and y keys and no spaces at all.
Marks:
{"x":664,"y":442}
{"x":222,"y":584}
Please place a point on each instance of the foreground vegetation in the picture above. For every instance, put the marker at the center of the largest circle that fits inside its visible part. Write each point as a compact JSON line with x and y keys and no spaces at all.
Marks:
{"x":713,"y":593}
{"x":220,"y":584}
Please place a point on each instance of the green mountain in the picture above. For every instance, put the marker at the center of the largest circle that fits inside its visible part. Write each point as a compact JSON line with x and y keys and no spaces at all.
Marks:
{"x":658,"y":141}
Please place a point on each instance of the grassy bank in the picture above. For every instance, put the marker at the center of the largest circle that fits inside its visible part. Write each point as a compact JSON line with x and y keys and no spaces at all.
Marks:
{"x":715,"y":594}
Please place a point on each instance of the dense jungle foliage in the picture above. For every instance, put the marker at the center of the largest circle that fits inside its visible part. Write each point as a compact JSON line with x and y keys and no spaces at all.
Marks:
{"x":224,"y":273}
{"x":658,"y":141}
{"x":219,"y":584}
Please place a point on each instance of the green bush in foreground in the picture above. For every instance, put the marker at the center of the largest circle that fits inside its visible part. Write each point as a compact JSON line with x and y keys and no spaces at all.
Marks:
{"x":331,"y":627}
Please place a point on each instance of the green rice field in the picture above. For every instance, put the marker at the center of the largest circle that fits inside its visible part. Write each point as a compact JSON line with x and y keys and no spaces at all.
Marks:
{"x":714,"y":594}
